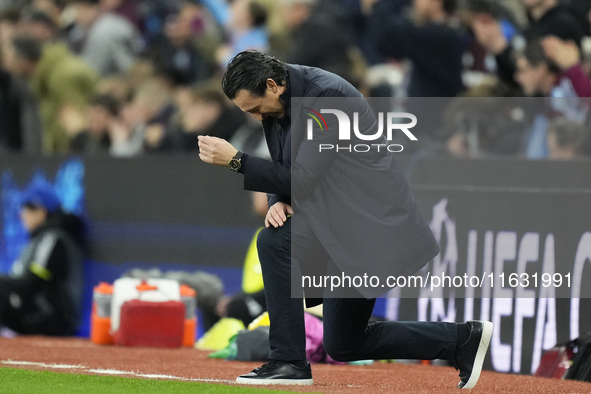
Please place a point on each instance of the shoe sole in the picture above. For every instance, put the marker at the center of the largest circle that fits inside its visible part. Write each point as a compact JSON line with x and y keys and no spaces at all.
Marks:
{"x":296,"y":382}
{"x":480,"y":354}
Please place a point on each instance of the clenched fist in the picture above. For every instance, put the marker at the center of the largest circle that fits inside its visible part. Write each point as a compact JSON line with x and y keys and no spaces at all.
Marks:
{"x":215,"y":150}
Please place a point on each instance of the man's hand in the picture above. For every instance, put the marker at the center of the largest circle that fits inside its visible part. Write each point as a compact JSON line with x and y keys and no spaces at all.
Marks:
{"x":489,"y":34}
{"x":277,"y":215}
{"x":215,"y":150}
{"x":564,"y":53}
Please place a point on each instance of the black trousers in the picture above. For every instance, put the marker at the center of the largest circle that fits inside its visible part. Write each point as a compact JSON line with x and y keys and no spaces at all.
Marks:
{"x":348,"y":335}
{"x":26,"y":319}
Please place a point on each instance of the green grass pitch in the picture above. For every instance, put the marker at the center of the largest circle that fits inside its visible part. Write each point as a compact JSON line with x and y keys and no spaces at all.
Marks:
{"x":19,"y":381}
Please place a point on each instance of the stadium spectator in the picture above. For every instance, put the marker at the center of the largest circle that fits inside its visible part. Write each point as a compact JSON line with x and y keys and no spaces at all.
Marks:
{"x":247,"y":30}
{"x":548,"y":17}
{"x":140,"y":72}
{"x":434,"y":48}
{"x":126,"y":139}
{"x":565,"y":54}
{"x":154,"y":14}
{"x":111,"y":42}
{"x":52,"y":8}
{"x":128,"y":135}
{"x":39,"y":24}
{"x":42,"y":293}
{"x":9,"y":23}
{"x":128,"y":9}
{"x":175,"y":50}
{"x":21,"y":129}
{"x":119,"y":87}
{"x":565,"y":139}
{"x":21,"y":124}
{"x":551,"y":68}
{"x":317,"y":42}
{"x":62,"y":83}
{"x":207,"y":113}
{"x":154,"y":109}
{"x":512,"y":19}
{"x":102,"y":113}
{"x":538,"y":75}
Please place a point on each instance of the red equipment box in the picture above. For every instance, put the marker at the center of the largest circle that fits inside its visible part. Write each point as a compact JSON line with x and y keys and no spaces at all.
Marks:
{"x":151,"y":324}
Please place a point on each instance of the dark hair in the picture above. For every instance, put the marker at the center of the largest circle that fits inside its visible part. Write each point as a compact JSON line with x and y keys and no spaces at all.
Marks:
{"x":106,"y":101}
{"x":535,"y":55}
{"x":61,"y":4}
{"x":41,"y":18}
{"x":449,"y":6}
{"x":11,"y":15}
{"x":258,"y":13}
{"x":28,"y":48}
{"x":32,"y":207}
{"x":250,"y":70}
{"x":490,"y":7}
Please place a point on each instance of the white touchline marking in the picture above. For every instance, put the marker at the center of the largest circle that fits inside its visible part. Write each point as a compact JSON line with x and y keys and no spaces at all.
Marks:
{"x":212,"y":380}
{"x":158,"y":376}
{"x":43,"y":365}
{"x":110,"y":372}
{"x":114,"y":372}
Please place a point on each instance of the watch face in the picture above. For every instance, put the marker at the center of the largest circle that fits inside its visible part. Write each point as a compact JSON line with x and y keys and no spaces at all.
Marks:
{"x":234,"y":165}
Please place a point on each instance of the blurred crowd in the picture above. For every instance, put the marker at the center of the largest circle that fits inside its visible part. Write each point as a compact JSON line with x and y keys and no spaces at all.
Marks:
{"x":126,"y":78}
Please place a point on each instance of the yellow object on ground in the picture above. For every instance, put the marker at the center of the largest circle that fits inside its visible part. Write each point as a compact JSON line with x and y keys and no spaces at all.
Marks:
{"x":218,"y":336}
{"x":262,"y":320}
{"x":252,"y":277}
